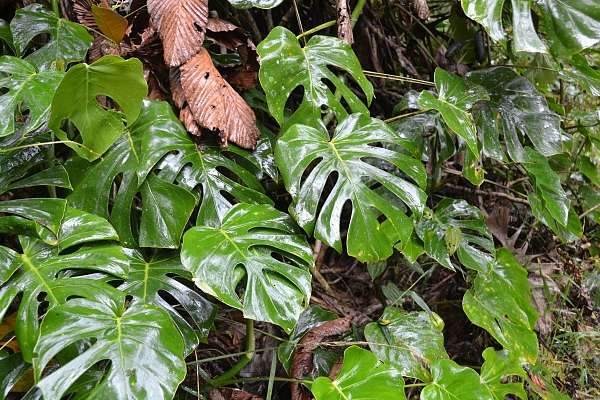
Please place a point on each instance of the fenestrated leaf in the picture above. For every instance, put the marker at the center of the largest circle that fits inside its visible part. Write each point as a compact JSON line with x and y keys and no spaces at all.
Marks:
{"x":215,"y":105}
{"x":284,"y":65}
{"x":54,"y":176}
{"x":69,"y":41}
{"x":27,"y":90}
{"x":75,"y":100}
{"x":362,"y":377}
{"x":500,"y":302}
{"x":181,"y":25}
{"x":456,"y":225}
{"x":39,"y":269}
{"x":516,"y":109}
{"x":110,"y":23}
{"x":144,"y":348}
{"x":58,"y":224}
{"x":453,"y":382}
{"x":497,"y":367}
{"x":310,"y":318}
{"x":148,"y":280}
{"x":307,"y":151}
{"x":454,"y":101}
{"x":410,"y":342}
{"x":277,"y":289}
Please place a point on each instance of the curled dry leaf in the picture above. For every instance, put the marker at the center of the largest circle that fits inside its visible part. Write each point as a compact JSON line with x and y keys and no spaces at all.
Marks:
{"x":181,"y":25}
{"x":303,"y":357}
{"x":215,"y":105}
{"x":185,"y":114}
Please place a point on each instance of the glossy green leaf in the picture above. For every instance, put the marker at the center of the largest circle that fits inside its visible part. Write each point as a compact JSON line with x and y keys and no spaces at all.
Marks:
{"x":572,"y":25}
{"x":455,"y":99}
{"x":456,"y":226}
{"x":309,"y":152}
{"x":41,"y":269}
{"x":264,"y":4}
{"x":516,"y":110}
{"x":453,"y":382}
{"x":285,"y":65}
{"x":500,"y":302}
{"x":54,"y":176}
{"x":547,"y":184}
{"x":584,"y":74}
{"x":158,"y":141}
{"x":408,"y":341}
{"x":499,"y":366}
{"x":144,"y":348}
{"x":76,"y":100}
{"x":26,"y":90}
{"x":148,"y":280}
{"x":310,"y":318}
{"x":362,"y":377}
{"x":68,"y":43}
{"x":58,"y":224}
{"x":277,"y":289}
{"x":12,"y":369}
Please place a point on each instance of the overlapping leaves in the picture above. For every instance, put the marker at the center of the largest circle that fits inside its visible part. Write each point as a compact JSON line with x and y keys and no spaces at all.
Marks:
{"x":368,"y":187}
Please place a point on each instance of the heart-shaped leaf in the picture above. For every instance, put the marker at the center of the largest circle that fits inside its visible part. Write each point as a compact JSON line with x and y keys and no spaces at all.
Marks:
{"x":361,"y":376}
{"x":456,"y":226}
{"x":515,"y":110}
{"x":27,"y":90}
{"x":69,"y":42}
{"x":149,"y":280}
{"x":454,"y":101}
{"x":498,"y":366}
{"x":262,"y":245}
{"x":76,"y":100}
{"x":38,"y":270}
{"x":307,"y":158}
{"x":285,"y":65}
{"x":144,"y":348}
{"x":452,"y":382}
{"x":410,"y":342}
{"x":500,"y":302}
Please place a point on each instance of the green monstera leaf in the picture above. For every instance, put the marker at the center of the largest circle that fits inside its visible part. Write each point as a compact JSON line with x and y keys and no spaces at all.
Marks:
{"x":455,"y":99}
{"x":498,"y":366}
{"x":143,"y":345}
{"x":456,"y":227}
{"x":27,"y":90}
{"x":38,"y":270}
{"x":362,"y":377}
{"x":410,"y":342}
{"x":500,"y":302}
{"x":277,"y":288}
{"x":371,"y":188}
{"x":451,"y":382}
{"x":515,"y":110}
{"x":157,"y":140}
{"x":69,"y":42}
{"x":285,"y":65}
{"x":12,"y":369}
{"x":148,"y":280}
{"x":76,"y":101}
{"x":571,"y":25}
{"x":54,"y":176}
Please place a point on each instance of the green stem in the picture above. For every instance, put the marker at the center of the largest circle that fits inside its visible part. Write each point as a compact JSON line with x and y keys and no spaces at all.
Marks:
{"x":227,"y":376}
{"x":56,"y":8}
{"x":355,"y":14}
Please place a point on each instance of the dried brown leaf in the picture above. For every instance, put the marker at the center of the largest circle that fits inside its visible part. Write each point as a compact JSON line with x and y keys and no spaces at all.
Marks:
{"x":215,"y":24}
{"x":83,"y":13}
{"x":181,"y":25}
{"x":112,"y":24}
{"x":215,"y":105}
{"x":185,"y":114}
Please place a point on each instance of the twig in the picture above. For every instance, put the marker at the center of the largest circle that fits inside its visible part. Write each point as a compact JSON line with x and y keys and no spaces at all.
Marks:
{"x":484,"y":192}
{"x":228,"y":375}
